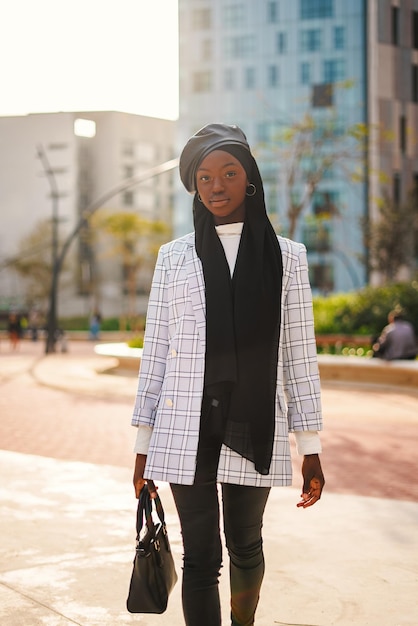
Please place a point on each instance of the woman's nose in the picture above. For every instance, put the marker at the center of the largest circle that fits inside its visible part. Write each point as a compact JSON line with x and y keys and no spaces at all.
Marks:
{"x":217,"y":184}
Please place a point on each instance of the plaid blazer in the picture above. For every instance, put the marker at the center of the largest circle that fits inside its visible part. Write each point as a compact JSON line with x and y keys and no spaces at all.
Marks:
{"x":171,"y":375}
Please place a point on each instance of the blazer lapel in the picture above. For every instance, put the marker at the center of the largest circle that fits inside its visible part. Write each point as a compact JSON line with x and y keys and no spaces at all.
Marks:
{"x":196,"y":280}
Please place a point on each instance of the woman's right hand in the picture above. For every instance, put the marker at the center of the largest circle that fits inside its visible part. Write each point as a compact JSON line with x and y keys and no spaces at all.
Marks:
{"x":139,"y":480}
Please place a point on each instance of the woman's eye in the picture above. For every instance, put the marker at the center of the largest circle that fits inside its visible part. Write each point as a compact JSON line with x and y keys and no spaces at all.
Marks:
{"x":204,"y":179}
{"x":230,"y":174}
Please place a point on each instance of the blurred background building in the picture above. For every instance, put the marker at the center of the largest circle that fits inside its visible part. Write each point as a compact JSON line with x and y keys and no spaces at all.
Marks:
{"x":88,"y":155}
{"x":327,"y":93}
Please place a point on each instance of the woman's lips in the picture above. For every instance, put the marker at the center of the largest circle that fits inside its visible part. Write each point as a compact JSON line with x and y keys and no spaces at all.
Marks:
{"x":216,"y":201}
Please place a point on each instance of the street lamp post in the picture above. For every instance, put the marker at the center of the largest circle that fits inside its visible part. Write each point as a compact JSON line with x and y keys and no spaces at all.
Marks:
{"x":51,"y":327}
{"x":59,"y":256}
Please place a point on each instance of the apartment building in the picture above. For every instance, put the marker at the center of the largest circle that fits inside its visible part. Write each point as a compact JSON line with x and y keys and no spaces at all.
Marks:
{"x":87,"y":155}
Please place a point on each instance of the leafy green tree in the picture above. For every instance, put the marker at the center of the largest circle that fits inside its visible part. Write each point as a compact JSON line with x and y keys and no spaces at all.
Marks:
{"x":365,"y":312}
{"x":135,"y":240}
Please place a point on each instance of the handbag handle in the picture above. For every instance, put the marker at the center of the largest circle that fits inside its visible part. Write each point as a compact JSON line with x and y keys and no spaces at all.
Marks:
{"x":144,"y":511}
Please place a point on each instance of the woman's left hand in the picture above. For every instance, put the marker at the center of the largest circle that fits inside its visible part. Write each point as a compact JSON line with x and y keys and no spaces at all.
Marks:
{"x":313,"y":481}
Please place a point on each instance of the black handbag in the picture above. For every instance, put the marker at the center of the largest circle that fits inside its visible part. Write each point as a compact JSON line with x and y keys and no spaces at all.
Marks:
{"x":154,"y":574}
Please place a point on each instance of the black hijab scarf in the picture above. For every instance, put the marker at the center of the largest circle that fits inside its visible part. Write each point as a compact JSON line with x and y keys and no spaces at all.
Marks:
{"x":242,"y":313}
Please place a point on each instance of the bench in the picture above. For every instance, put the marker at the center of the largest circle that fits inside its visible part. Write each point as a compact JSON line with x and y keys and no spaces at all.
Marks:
{"x":363,"y":370}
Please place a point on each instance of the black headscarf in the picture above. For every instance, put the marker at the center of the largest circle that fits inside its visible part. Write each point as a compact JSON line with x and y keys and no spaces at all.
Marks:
{"x":242,"y":314}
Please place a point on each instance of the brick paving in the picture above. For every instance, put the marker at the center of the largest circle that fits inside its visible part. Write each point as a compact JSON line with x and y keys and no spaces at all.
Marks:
{"x":369,"y":443}
{"x":64,"y":425}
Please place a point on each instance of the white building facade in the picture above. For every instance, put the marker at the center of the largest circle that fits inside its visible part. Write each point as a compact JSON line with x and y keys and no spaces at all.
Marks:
{"x":89,"y":154}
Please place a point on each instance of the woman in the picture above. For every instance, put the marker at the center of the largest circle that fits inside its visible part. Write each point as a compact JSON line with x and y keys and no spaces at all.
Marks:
{"x":228,"y":369}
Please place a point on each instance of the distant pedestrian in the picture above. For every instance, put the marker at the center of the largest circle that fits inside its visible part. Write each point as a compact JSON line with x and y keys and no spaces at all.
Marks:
{"x":14,"y":329}
{"x":34,"y":324}
{"x":397,"y":340}
{"x":95,"y":324}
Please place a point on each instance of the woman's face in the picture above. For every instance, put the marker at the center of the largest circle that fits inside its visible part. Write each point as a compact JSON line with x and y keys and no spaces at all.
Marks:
{"x":221,"y":182}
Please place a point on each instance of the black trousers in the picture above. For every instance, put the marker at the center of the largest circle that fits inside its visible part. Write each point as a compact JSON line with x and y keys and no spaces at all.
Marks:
{"x":199,"y":513}
{"x":243,"y":509}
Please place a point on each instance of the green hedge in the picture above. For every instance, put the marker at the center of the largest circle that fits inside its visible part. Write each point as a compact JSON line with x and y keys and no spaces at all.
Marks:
{"x":74,"y":323}
{"x":365,"y":312}
{"x":356,"y":313}
{"x":110,"y":323}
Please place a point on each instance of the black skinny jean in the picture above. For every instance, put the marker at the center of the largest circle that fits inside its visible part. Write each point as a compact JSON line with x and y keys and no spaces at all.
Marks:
{"x":198,"y":509}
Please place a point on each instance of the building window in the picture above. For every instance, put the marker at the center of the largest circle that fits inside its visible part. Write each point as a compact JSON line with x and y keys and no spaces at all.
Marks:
{"x":229,"y":79}
{"x":263,"y":131}
{"x":202,"y":81}
{"x":272,"y":12}
{"x":395,"y":25}
{"x":239,"y":47}
{"x":397,"y":188}
{"x":273,"y":76}
{"x":402,"y":134}
{"x":310,"y":40}
{"x":333,"y":70}
{"x":249,"y":77}
{"x":305,"y":73}
{"x":414,"y":83}
{"x":322,"y":96}
{"x":321,"y":277}
{"x":339,"y":37}
{"x":128,"y":198}
{"x":316,"y":9}
{"x":325,"y":204}
{"x":234,"y":15}
{"x":281,"y":43}
{"x":415,"y":30}
{"x":128,"y":149}
{"x":57,"y":146}
{"x":206,"y":49}
{"x":316,"y":235}
{"x":202,"y":19}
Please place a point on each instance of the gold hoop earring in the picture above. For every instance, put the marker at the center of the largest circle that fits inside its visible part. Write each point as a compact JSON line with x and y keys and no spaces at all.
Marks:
{"x":199,"y":198}
{"x":253,"y":190}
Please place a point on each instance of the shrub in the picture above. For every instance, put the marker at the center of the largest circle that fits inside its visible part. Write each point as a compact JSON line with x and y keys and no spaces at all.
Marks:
{"x":365,"y":312}
{"x":136,"y":342}
{"x":74,"y":323}
{"x":110,"y":323}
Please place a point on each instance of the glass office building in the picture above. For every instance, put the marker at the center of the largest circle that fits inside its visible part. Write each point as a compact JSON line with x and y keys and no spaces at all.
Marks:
{"x":315,"y":85}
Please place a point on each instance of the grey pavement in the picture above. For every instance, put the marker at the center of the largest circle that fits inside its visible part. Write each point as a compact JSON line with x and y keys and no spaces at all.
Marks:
{"x":67,"y":537}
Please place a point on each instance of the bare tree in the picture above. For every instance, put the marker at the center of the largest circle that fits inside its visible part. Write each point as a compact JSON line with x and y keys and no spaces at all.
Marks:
{"x":306,"y":151}
{"x":392,"y":238}
{"x":34,"y":264}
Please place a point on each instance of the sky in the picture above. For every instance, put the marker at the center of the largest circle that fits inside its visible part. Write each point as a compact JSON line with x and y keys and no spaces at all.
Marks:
{"x":88,"y":55}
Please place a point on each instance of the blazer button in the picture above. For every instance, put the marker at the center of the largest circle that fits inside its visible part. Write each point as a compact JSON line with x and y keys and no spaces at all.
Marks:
{"x":174,"y":352}
{"x":169,"y":402}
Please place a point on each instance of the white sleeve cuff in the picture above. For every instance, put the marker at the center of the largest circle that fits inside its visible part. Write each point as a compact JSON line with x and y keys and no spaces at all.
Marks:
{"x":143,"y":438}
{"x":308,"y":442}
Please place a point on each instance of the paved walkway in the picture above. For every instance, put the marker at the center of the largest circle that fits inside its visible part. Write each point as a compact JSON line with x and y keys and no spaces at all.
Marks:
{"x":67,"y":525}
